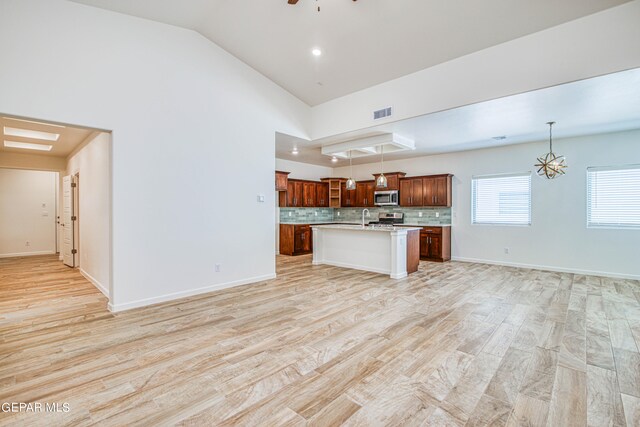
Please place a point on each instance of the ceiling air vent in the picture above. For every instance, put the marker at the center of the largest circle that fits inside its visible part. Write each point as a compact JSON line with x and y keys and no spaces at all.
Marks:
{"x":381,"y":114}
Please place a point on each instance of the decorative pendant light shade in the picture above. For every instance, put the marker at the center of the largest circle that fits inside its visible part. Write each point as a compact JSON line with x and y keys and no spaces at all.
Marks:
{"x":351,"y":183}
{"x":551,"y":165}
{"x":381,"y":181}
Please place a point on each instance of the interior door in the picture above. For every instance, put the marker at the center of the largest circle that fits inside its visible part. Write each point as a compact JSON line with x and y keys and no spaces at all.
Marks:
{"x":68,"y":255}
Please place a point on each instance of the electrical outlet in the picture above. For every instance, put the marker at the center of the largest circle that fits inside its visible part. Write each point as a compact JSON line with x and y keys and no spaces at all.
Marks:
{"x":419,"y":214}
{"x":315,"y":213}
{"x":338,"y":213}
{"x":27,"y":243}
{"x":290,"y":213}
{"x":437,"y":214}
{"x":506,"y":251}
{"x":260,"y":198}
{"x":218,"y":268}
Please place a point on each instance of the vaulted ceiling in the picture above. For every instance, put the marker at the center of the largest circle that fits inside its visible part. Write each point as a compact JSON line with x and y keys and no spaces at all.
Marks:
{"x":363,"y":43}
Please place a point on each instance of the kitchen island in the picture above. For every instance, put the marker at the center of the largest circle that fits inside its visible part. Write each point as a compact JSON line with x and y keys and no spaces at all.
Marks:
{"x":388,"y":250}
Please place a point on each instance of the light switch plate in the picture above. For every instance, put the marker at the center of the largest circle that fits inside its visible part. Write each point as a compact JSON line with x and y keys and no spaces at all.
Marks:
{"x":260,"y":198}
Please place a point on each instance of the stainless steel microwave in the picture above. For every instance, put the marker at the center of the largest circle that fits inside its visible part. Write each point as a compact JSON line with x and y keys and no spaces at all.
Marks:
{"x":386,"y":198}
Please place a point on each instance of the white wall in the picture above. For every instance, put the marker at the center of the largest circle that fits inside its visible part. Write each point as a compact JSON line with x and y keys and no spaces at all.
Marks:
{"x":27,"y":212}
{"x":192,"y":142}
{"x":557,"y":238}
{"x":92,"y":164}
{"x":303,"y":170}
{"x":597,"y":44}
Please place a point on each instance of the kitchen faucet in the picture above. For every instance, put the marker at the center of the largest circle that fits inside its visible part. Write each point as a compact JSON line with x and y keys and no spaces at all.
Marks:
{"x":363,"y":211}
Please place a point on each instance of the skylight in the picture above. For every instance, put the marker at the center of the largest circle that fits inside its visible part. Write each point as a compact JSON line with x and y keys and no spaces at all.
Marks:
{"x":32,"y":134}
{"x":28,"y":146}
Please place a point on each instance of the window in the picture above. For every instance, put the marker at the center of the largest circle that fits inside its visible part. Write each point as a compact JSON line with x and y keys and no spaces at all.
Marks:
{"x":501,"y":199}
{"x":613,"y":197}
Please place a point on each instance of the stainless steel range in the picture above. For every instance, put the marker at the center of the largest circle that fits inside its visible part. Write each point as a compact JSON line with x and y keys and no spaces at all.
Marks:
{"x":388,"y":220}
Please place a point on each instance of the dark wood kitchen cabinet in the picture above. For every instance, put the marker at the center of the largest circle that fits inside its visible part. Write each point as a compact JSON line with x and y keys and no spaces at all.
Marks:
{"x":347,"y":197}
{"x":393,"y":181}
{"x":293,"y":195}
{"x":322,"y":195}
{"x":309,"y":194}
{"x":411,"y":192}
{"x":295,"y":239}
{"x":437,"y":190}
{"x":435,"y":243}
{"x":365,"y":193}
{"x":282,"y":178}
{"x":426,"y":191}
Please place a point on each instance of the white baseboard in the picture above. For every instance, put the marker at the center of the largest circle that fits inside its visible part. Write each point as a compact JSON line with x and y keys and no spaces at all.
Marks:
{"x":18,"y":254}
{"x":549,"y":268}
{"x":95,"y":283}
{"x":185,"y":294}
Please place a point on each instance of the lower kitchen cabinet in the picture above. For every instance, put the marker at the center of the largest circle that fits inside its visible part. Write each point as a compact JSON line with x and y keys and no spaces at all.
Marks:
{"x":435,"y":243}
{"x":295,"y":239}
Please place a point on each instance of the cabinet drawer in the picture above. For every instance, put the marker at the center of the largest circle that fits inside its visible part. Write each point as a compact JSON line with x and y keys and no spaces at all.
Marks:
{"x":431,"y":230}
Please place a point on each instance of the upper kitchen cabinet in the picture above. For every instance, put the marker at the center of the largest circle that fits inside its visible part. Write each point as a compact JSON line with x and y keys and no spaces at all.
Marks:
{"x":437,"y":190}
{"x":309,"y":194}
{"x":293,"y":197}
{"x":364,"y":194}
{"x":393,"y":180}
{"x":411,"y":192}
{"x":427,"y":191}
{"x":281,"y":180}
{"x":322,"y":194}
{"x":347,"y":197}
{"x":334,"y":188}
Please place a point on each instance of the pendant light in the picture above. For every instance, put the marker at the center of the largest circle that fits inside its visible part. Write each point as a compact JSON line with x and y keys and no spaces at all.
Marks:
{"x":550,"y":165}
{"x":351,"y":183}
{"x":381,"y":181}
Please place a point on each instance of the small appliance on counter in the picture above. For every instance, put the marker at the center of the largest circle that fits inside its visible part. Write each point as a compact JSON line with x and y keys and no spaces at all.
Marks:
{"x":386,"y":219}
{"x":386,"y":198}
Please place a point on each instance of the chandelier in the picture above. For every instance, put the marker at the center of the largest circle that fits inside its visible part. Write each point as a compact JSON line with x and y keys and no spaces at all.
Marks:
{"x":551,"y":165}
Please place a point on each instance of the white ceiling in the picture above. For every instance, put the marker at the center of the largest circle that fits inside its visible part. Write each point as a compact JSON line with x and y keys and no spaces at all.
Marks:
{"x":364,"y":43}
{"x":603,"y":104}
{"x":70,"y":137}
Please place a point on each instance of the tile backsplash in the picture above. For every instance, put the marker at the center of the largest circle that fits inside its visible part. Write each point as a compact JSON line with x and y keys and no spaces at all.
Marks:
{"x":306,"y":215}
{"x":411,"y":215}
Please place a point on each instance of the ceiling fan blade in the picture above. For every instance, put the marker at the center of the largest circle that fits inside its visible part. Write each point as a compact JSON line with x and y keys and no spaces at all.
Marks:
{"x":293,"y":1}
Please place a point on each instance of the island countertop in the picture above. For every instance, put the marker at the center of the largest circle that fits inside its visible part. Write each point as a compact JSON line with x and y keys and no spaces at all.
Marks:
{"x":352,"y":227}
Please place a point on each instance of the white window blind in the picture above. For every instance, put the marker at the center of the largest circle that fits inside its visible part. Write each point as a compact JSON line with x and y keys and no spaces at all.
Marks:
{"x":613,"y":196}
{"x":501,"y":199}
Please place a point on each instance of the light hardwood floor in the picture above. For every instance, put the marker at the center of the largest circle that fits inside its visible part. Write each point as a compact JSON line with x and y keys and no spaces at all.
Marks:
{"x":454,"y":344}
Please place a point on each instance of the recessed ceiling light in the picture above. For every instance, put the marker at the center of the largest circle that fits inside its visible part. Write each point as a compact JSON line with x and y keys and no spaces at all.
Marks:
{"x":334,"y":159}
{"x":499,"y":138}
{"x":295,"y":151}
{"x":27,"y":146}
{"x":32,"y":134}
{"x":37,"y":123}
{"x":316,"y":51}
